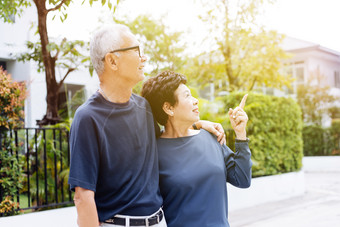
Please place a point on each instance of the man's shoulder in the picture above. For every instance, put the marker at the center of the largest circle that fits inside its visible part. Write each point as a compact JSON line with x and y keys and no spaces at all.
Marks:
{"x":88,"y":108}
{"x":138,"y":98}
{"x":141,"y":102}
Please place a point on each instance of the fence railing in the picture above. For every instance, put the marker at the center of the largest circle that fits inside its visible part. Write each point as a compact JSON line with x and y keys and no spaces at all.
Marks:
{"x":44,"y":155}
{"x":45,"y":158}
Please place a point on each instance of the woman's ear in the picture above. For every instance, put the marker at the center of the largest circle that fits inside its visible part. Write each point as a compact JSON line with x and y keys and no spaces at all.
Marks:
{"x":168,"y":109}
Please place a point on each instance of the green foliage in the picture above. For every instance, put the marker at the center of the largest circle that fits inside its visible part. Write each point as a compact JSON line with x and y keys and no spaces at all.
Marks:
{"x":12,"y":99}
{"x":10,"y":8}
{"x":68,"y":54}
{"x":275,"y":131}
{"x":48,"y":54}
{"x":320,"y":141}
{"x":8,"y":207}
{"x":56,"y":146}
{"x":162,"y":47}
{"x":69,"y":108}
{"x":243,"y":53}
{"x":11,"y":173}
{"x":314,"y":102}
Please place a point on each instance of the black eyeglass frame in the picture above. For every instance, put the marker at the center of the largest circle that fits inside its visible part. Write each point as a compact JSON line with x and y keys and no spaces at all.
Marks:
{"x":125,"y":49}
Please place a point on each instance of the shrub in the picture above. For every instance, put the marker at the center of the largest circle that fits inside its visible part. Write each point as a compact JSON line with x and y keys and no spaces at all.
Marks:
{"x":319,"y":141}
{"x":8,"y":207}
{"x":275,"y":131}
{"x":12,"y":98}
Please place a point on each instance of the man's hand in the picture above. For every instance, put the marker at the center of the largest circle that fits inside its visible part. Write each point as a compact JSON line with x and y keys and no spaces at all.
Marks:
{"x":214,"y":128}
{"x":238,"y":119}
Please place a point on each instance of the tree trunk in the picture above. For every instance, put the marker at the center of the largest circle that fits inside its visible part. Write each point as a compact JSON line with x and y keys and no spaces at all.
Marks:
{"x":51,"y":116}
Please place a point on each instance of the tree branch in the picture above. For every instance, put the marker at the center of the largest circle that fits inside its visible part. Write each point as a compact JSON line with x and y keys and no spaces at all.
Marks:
{"x":57,"y":7}
{"x":58,"y":51}
{"x":68,"y":72}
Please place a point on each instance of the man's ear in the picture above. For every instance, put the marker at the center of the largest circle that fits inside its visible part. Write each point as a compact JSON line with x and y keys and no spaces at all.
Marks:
{"x":111,"y":61}
{"x":168,"y":109}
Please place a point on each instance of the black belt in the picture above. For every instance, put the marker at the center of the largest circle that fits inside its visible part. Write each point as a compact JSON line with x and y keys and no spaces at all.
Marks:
{"x":153,"y":220}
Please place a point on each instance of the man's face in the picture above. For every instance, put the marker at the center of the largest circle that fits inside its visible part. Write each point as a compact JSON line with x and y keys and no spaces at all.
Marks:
{"x":131,"y":62}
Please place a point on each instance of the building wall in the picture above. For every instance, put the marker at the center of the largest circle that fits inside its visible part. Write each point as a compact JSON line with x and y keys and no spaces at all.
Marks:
{"x":12,"y":42}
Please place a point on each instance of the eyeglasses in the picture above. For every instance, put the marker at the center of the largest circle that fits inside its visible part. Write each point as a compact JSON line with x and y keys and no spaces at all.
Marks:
{"x":126,"y":49}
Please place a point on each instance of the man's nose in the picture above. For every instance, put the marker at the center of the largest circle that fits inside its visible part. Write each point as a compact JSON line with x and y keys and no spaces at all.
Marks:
{"x":143,"y":58}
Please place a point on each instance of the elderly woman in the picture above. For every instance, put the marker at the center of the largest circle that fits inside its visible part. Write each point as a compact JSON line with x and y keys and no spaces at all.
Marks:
{"x":193,"y":166}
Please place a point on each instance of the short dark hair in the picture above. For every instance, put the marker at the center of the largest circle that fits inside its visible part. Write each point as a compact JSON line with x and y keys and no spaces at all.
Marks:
{"x":160,"y":89}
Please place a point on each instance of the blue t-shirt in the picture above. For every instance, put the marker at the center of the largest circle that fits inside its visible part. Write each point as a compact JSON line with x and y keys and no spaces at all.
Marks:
{"x":114,"y":153}
{"x":193,"y":175}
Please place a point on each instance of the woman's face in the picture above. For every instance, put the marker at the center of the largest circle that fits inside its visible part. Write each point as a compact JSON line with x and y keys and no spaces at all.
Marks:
{"x":186,"y":108}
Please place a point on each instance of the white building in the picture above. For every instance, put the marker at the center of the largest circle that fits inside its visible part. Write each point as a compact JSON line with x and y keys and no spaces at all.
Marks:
{"x":311,"y":63}
{"x":12,"y":42}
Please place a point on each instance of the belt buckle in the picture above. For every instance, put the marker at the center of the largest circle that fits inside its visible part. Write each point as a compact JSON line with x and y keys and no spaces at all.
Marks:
{"x":155,"y":217}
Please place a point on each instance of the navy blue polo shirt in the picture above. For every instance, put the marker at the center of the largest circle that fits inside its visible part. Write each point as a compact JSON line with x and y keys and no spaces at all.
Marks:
{"x":114,"y":153}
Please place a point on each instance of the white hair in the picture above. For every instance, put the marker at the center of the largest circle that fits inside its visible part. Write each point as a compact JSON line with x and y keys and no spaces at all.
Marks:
{"x":105,"y":40}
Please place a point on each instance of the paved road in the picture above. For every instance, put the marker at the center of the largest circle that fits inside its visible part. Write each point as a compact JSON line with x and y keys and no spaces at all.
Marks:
{"x":318,"y":207}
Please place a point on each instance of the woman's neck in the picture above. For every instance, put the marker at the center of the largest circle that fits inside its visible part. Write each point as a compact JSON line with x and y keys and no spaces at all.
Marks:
{"x":173,"y":129}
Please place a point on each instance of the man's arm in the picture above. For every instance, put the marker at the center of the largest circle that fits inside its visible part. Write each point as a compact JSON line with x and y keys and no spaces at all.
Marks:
{"x":214,"y":128}
{"x":86,"y":208}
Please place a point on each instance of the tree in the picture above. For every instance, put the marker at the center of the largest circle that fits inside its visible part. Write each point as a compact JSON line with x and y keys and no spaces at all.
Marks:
{"x":49,"y":54}
{"x":315,"y":99}
{"x":244,"y":54}
{"x":162,"y":47}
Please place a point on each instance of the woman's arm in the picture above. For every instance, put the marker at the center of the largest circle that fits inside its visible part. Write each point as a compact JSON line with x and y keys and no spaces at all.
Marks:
{"x":238,"y":165}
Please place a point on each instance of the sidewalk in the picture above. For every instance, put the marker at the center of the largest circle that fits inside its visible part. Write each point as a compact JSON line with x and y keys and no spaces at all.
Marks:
{"x":318,"y":207}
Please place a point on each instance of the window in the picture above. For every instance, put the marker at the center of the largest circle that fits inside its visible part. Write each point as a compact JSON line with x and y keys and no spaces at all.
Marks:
{"x":71,"y":96}
{"x":336,"y":79}
{"x":3,"y":65}
{"x":12,"y":17}
{"x":300,"y":75}
{"x":269,"y":91}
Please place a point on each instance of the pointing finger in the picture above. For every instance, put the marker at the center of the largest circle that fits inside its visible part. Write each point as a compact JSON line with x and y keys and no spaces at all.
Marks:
{"x":243,"y":102}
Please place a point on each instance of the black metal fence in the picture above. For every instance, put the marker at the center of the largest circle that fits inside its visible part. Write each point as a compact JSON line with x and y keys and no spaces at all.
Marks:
{"x":44,"y":155}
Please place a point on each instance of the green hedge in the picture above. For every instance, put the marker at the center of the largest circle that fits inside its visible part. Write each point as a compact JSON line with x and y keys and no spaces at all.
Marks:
{"x":275,"y":131}
{"x":319,"y":141}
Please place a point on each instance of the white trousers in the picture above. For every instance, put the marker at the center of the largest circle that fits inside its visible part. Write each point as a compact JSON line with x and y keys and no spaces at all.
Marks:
{"x":127,"y":218}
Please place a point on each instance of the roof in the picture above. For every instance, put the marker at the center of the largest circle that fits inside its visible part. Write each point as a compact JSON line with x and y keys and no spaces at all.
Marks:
{"x":291,"y":44}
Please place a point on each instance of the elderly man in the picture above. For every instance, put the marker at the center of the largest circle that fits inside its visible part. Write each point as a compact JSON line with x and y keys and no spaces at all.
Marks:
{"x":114,"y":161}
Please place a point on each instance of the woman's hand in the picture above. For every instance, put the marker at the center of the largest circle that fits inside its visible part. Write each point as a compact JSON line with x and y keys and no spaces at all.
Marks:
{"x":238,"y":119}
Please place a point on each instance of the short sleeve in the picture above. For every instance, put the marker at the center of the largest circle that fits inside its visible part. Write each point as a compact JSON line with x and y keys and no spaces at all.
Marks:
{"x":84,"y":147}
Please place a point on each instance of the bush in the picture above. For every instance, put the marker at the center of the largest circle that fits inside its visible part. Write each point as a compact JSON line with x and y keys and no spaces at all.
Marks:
{"x":275,"y":131}
{"x":319,"y":141}
{"x":12,"y":98}
{"x":8,"y":207}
